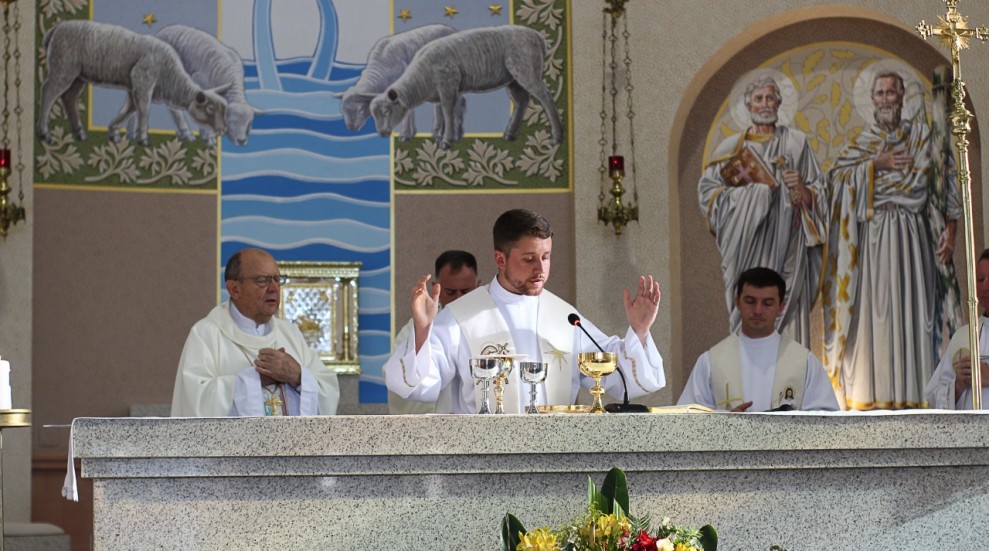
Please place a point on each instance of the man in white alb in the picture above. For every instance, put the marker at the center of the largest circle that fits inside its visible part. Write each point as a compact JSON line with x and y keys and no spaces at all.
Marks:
{"x":513,"y":315}
{"x":950,"y":386}
{"x":242,"y":360}
{"x":759,"y":369}
{"x":456,"y":274}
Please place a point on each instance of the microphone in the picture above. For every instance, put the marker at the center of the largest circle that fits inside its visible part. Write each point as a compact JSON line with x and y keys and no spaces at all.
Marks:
{"x":623,"y":407}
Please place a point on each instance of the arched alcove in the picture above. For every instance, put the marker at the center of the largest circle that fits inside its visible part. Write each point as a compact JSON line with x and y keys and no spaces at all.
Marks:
{"x":701,"y":321}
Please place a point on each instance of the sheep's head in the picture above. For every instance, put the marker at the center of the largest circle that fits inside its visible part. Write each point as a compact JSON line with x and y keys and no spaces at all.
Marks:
{"x":210,"y":108}
{"x":240,"y":118}
{"x":355,"y":108}
{"x":388,"y":112}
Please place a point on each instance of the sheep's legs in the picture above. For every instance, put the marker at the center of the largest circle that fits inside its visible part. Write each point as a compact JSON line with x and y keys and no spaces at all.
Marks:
{"x":520,"y":99}
{"x":70,"y":99}
{"x":55,"y":85}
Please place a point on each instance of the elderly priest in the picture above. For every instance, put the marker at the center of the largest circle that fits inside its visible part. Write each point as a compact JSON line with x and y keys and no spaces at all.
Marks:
{"x":514,"y":315}
{"x":242,"y":360}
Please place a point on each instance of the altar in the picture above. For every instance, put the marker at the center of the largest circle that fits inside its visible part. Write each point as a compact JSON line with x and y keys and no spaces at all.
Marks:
{"x":803,"y":481}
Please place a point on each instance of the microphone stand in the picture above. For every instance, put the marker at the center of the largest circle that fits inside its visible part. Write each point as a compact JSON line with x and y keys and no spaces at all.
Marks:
{"x":615,"y":407}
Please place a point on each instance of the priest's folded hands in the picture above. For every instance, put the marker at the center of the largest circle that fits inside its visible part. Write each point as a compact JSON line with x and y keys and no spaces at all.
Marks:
{"x":279,"y":366}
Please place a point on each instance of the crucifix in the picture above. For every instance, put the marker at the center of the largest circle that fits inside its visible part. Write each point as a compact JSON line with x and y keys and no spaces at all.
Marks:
{"x":953,"y":31}
{"x":274,"y":404}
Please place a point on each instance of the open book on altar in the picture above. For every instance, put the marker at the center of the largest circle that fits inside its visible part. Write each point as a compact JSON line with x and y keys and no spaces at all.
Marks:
{"x":747,"y":167}
{"x":685,"y":408}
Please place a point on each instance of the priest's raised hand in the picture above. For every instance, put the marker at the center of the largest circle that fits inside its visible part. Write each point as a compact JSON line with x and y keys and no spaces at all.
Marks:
{"x":641,"y":310}
{"x":425,"y":305}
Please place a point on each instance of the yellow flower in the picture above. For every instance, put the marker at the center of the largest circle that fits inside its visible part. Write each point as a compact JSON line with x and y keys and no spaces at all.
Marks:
{"x":684,"y":547}
{"x":539,"y":539}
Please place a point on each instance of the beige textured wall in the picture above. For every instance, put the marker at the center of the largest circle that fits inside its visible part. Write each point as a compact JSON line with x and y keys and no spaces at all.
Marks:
{"x":118,"y":277}
{"x":16,"y":291}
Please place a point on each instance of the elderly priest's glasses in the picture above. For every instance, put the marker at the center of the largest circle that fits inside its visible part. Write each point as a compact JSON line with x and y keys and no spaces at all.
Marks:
{"x":264,"y":281}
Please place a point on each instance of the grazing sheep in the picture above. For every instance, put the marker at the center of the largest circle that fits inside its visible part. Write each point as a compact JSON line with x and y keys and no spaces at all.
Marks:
{"x":476,"y":60}
{"x":211,"y":64}
{"x":81,"y":52}
{"x":386,"y":62}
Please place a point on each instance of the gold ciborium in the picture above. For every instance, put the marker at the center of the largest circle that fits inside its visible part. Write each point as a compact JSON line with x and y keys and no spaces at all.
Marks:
{"x":597,"y":365}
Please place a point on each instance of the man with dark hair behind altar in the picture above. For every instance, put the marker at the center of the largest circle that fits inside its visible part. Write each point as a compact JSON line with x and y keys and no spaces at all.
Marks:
{"x":950,"y":386}
{"x":456,"y":275}
{"x":758,"y":369}
{"x":515,"y":315}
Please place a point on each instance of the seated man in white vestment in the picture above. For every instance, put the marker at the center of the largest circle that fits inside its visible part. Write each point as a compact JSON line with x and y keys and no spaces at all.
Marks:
{"x":759,"y":369}
{"x":241,"y":360}
{"x":950,"y":386}
{"x":456,"y":274}
{"x":515,"y":315}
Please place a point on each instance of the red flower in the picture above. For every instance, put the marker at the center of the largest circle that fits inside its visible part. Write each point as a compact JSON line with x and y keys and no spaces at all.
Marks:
{"x":644,"y":543}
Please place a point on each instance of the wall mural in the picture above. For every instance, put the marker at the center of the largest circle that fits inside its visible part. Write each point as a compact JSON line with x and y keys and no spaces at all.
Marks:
{"x":788,"y":183}
{"x":302,"y":96}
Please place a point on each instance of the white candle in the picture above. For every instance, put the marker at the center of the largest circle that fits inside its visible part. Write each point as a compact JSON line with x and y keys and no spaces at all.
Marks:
{"x":5,"y":402}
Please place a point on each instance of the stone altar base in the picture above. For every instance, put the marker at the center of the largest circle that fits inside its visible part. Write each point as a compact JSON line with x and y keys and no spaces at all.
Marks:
{"x":803,"y":481}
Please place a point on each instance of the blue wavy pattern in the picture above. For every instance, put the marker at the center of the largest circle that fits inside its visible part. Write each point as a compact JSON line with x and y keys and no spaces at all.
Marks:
{"x":307,"y":189}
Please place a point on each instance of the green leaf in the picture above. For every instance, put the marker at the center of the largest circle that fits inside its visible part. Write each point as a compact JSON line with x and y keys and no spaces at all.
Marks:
{"x":709,"y":538}
{"x":596,"y":499}
{"x":615,"y":490}
{"x":511,"y":527}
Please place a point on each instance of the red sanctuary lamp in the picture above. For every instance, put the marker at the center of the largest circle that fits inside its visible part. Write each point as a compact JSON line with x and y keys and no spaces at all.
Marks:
{"x":615,"y":211}
{"x":10,"y":212}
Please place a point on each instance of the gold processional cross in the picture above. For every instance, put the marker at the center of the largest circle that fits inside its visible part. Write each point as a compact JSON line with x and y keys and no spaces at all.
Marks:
{"x":953,"y":31}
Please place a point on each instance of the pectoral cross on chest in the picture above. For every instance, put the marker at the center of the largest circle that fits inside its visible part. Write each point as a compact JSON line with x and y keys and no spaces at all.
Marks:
{"x":728,"y":399}
{"x":273,"y":406}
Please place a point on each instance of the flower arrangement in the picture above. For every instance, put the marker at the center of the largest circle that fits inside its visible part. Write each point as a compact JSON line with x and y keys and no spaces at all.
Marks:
{"x":606,"y":526}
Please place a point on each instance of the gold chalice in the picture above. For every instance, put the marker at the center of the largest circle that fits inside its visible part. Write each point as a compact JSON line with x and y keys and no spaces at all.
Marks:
{"x":597,"y":365}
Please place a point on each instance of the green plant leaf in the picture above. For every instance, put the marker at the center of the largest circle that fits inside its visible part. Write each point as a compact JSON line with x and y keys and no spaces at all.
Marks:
{"x":709,"y":538}
{"x":596,"y":499}
{"x":615,"y":490}
{"x":511,"y":527}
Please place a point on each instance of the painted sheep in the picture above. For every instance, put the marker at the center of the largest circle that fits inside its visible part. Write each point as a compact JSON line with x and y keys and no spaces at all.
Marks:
{"x":475,"y":60}
{"x":81,"y":52}
{"x":211,"y":64}
{"x":385,"y":63}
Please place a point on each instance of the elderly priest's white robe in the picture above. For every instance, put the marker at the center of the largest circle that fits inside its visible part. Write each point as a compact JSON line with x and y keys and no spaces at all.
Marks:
{"x":757,"y":362}
{"x":536,"y":327}
{"x":217,"y":350}
{"x":940,"y":390}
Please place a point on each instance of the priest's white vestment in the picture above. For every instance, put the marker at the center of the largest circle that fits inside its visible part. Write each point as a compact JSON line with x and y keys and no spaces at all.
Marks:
{"x":535,"y":326}
{"x":758,"y":365}
{"x":216,"y":350}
